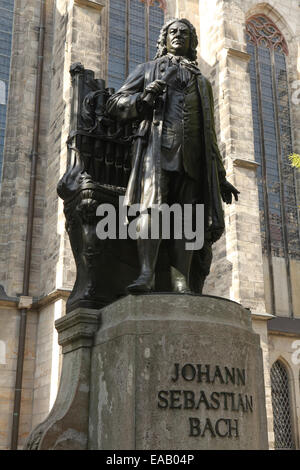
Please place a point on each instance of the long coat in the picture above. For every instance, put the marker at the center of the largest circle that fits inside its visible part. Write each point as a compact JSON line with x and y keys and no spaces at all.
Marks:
{"x":124,"y":106}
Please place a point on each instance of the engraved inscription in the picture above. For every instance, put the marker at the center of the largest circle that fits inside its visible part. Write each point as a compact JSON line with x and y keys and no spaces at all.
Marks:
{"x":206,"y":373}
{"x":204,"y":401}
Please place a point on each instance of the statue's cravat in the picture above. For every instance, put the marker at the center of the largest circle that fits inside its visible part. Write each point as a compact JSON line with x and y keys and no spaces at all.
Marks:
{"x":185,"y":62}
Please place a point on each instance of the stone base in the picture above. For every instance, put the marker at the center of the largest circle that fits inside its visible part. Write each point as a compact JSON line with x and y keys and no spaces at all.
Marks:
{"x":163,"y":372}
{"x":175,"y":372}
{"x":66,"y":427}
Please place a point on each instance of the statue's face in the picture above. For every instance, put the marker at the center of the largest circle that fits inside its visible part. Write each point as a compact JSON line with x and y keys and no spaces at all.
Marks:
{"x":178,"y":39}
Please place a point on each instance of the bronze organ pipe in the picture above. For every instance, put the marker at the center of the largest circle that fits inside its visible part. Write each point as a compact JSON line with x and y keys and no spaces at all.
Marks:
{"x":99,"y":145}
{"x":126,"y":157}
{"x":119,"y":155}
{"x":109,"y":157}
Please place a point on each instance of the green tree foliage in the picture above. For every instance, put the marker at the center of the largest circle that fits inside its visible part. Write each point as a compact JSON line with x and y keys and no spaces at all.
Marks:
{"x":295,"y":160}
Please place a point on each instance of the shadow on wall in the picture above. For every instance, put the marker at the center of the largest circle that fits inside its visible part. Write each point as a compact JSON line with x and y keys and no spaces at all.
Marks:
{"x":55,"y":240}
{"x":219,"y":282}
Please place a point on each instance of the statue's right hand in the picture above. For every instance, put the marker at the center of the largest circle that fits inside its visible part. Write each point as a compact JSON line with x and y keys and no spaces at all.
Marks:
{"x":155,"y":89}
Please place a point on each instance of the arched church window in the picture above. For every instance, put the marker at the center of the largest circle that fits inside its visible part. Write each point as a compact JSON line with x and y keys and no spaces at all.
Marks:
{"x":281,"y":407}
{"x":6,"y":25}
{"x":273,"y":145}
{"x":134,"y":27}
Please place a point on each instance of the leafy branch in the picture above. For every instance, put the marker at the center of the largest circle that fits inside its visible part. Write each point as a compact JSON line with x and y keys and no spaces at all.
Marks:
{"x":295,"y":160}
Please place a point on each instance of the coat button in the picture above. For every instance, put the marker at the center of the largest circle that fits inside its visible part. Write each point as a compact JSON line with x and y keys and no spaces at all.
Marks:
{"x":156,"y":123}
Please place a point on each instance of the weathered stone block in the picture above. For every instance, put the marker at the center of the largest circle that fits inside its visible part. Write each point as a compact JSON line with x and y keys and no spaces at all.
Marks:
{"x":176,"y":372}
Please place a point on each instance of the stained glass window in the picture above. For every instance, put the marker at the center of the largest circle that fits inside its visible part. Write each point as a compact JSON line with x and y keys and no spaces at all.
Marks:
{"x":134,"y":27}
{"x":117,"y":42}
{"x":156,"y":20}
{"x":6,"y":25}
{"x":273,"y":141}
{"x":137,"y":49}
{"x":281,"y":407}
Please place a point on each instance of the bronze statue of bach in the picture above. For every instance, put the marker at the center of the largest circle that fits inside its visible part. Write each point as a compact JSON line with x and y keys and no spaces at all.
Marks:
{"x":175,"y":152}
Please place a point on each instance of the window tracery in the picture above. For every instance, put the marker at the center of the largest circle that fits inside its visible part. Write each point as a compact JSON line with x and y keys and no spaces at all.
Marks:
{"x":162,"y":3}
{"x":281,"y":407}
{"x":261,"y":31}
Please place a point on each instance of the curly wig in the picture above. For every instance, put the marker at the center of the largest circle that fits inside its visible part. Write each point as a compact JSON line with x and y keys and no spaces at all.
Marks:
{"x":162,"y":40}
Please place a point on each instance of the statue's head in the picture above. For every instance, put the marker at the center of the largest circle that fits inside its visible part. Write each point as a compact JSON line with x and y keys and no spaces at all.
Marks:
{"x":179,"y":37}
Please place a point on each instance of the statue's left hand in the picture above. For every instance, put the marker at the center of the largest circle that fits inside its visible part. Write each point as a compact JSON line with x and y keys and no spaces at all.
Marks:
{"x":227,"y":190}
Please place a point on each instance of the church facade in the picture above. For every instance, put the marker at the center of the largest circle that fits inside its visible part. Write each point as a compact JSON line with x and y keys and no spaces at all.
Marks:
{"x":249,"y":51}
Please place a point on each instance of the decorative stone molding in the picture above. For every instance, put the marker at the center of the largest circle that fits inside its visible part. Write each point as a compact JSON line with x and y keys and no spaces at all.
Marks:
{"x":97,"y":4}
{"x":76,"y":330}
{"x":249,"y":164}
{"x":238,"y":54}
{"x":50,"y":298}
{"x":262,"y":316}
{"x":25,"y":302}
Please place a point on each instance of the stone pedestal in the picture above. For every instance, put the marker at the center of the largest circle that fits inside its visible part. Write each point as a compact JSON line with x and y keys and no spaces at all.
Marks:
{"x":173,"y":372}
{"x":66,"y":427}
{"x":158,"y":372}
